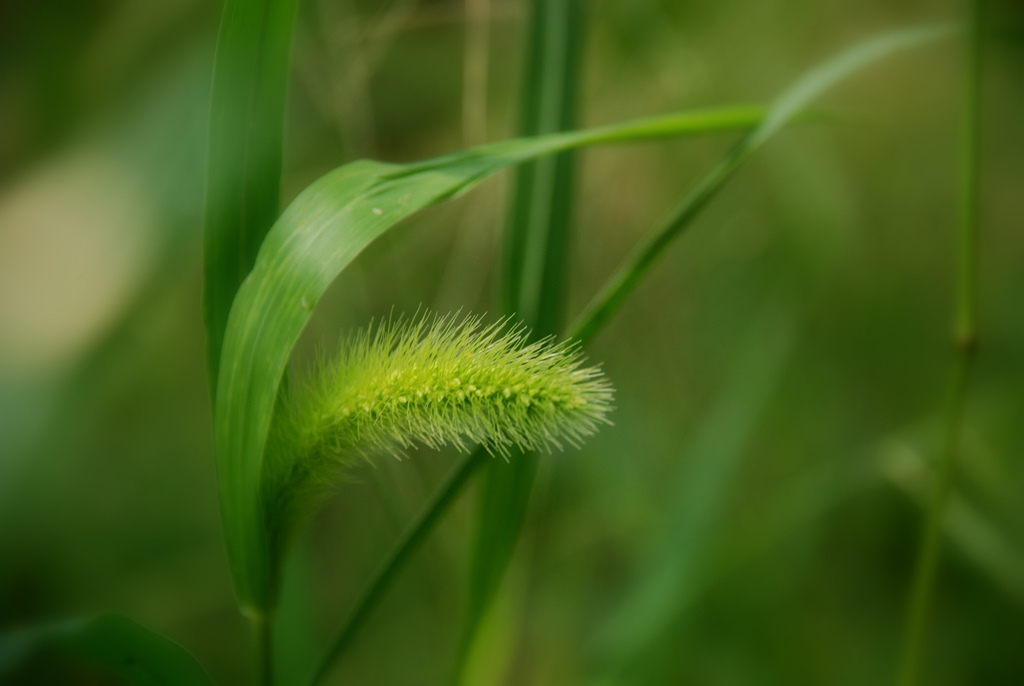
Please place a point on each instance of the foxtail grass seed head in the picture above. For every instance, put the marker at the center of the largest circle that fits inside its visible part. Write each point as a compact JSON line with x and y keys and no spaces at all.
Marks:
{"x":430,"y":380}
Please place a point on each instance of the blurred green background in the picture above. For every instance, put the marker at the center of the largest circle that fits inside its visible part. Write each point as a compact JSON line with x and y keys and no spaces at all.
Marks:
{"x":781,"y":376}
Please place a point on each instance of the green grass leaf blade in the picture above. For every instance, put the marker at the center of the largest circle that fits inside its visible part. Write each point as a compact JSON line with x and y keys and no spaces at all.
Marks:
{"x":537,"y":235}
{"x":137,"y":655}
{"x":678,"y":562}
{"x":794,"y":100}
{"x":317,"y":236}
{"x":245,"y":150}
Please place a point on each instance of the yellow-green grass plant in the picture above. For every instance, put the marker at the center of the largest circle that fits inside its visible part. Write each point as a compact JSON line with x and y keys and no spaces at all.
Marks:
{"x":317,"y":236}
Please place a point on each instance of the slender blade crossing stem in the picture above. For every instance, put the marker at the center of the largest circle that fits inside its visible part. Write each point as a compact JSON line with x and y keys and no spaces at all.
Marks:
{"x":965,"y":339}
{"x":537,"y":247}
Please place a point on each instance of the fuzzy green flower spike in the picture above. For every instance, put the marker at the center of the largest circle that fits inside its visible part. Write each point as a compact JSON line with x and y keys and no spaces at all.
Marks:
{"x":431,"y":380}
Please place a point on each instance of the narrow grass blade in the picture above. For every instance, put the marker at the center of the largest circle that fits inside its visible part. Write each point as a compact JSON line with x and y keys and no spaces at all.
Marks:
{"x":317,"y":236}
{"x":784,"y":109}
{"x":537,"y":235}
{"x":410,"y":541}
{"x":294,"y":635}
{"x":983,"y":541}
{"x":679,"y":560}
{"x":119,"y":645}
{"x":537,"y":247}
{"x":245,"y":149}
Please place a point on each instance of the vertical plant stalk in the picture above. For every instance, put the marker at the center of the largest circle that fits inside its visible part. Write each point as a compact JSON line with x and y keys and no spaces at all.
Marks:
{"x":536,"y":254}
{"x":263,"y":640}
{"x":403,"y":549}
{"x":537,"y":236}
{"x":250,"y":83}
{"x":475,"y":68}
{"x":966,"y":344}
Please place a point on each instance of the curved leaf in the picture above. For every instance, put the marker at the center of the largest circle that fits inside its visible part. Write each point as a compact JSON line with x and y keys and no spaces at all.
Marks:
{"x":136,"y":654}
{"x":318,"y":235}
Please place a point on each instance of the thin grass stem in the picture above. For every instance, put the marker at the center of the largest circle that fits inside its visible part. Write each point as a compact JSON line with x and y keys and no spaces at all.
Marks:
{"x":931,"y":538}
{"x":966,"y":342}
{"x":538,"y":245}
{"x":475,"y":71}
{"x":396,"y":559}
{"x":261,"y":628}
